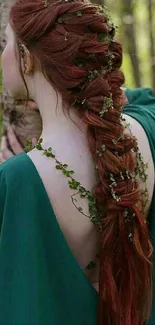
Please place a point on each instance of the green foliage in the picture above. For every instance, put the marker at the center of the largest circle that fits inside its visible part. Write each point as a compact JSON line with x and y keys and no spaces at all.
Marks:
{"x":73,"y":184}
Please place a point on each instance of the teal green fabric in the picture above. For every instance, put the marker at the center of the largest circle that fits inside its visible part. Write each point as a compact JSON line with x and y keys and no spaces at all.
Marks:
{"x":141,"y":106}
{"x":40,"y":281}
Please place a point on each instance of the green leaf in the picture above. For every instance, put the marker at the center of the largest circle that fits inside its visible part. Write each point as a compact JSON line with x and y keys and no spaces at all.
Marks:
{"x":39,"y":147}
{"x":60,"y":20}
{"x":66,"y":173}
{"x":79,"y":13}
{"x":71,"y":172}
{"x":65,"y":166}
{"x":59,"y":167}
{"x":29,"y":146}
{"x":73,"y":184}
{"x":50,"y":154}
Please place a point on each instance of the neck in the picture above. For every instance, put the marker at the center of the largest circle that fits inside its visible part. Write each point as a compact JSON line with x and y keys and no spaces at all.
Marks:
{"x":56,"y":123}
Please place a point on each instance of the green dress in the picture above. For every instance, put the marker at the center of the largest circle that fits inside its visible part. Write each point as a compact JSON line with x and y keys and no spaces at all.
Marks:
{"x":40,"y":281}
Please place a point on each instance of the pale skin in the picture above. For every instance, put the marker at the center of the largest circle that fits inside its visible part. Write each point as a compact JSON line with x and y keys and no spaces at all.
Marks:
{"x":69,"y":143}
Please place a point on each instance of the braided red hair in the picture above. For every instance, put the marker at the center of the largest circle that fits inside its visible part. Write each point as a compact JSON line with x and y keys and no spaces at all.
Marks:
{"x":70,"y":39}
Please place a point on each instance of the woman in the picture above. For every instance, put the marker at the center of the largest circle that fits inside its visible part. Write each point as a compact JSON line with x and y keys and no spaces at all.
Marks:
{"x":77,"y":210}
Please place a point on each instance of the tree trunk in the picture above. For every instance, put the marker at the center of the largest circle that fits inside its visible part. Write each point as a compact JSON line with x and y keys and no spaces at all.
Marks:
{"x":152,"y":43}
{"x":6,"y":100}
{"x":129,"y":29}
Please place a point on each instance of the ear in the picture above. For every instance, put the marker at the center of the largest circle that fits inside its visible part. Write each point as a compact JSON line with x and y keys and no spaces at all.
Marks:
{"x":28,"y":62}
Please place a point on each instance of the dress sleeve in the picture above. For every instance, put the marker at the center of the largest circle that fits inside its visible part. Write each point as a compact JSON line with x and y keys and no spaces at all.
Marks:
{"x":3,"y":194}
{"x":140,"y":96}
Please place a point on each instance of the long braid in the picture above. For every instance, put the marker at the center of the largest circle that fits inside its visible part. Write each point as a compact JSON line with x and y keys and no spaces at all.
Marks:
{"x":73,"y":40}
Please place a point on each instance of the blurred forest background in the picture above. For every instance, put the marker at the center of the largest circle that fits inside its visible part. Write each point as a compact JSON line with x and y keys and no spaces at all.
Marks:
{"x":136,"y":31}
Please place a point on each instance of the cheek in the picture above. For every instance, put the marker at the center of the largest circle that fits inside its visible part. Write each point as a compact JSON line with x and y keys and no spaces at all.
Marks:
{"x":11,"y":74}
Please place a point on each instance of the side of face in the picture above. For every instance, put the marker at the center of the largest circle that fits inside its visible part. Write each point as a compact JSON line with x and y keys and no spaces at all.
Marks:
{"x":11,"y":67}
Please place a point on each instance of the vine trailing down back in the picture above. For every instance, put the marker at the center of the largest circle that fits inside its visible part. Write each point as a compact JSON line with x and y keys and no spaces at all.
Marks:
{"x":74,"y":42}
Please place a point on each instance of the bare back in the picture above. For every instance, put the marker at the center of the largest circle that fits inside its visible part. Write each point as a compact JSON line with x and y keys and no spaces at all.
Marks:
{"x":79,"y":231}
